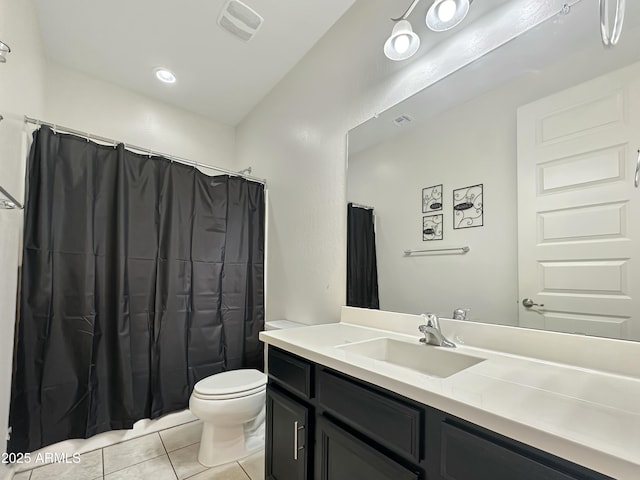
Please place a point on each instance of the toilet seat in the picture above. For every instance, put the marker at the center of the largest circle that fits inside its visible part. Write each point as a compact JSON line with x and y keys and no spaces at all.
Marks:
{"x":229,"y":396}
{"x":231,"y":384}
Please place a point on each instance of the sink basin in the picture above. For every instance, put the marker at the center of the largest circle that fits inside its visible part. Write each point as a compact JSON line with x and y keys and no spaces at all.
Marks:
{"x":426,"y":359}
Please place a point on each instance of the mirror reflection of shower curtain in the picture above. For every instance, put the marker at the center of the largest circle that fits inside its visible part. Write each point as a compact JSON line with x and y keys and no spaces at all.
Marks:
{"x":140,"y":277}
{"x":362,"y":268}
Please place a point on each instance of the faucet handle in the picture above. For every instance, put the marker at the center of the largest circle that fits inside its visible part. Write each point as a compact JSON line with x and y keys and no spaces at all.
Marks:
{"x":431,"y":320}
{"x":423,"y":329}
{"x":460,"y":313}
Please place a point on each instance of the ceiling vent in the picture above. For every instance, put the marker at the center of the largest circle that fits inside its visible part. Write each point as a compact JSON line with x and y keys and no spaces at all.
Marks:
{"x":402,"y":120}
{"x":240,"y":20}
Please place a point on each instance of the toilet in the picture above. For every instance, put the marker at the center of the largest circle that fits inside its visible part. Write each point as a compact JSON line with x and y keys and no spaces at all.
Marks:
{"x":231,"y":406}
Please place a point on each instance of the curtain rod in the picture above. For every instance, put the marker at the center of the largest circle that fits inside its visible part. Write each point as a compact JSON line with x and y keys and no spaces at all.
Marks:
{"x":89,"y":136}
{"x":358,"y":205}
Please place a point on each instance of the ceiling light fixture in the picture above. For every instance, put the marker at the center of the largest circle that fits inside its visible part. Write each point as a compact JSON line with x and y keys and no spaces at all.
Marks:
{"x":165,"y":75}
{"x":442,"y":15}
{"x":403,"y":42}
{"x":445,"y":14}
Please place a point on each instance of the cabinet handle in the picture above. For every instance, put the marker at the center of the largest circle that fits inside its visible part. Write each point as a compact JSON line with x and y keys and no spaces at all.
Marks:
{"x":296,"y":448}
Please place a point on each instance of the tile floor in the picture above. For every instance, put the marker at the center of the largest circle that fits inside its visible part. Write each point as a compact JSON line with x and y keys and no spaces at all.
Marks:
{"x":167,"y":455}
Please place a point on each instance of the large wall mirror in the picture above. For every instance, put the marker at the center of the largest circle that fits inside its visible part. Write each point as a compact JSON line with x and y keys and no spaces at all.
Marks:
{"x":542,"y":134}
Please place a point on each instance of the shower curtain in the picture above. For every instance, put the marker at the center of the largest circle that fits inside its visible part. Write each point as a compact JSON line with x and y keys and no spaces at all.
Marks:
{"x":140,"y":277}
{"x":362,"y":268}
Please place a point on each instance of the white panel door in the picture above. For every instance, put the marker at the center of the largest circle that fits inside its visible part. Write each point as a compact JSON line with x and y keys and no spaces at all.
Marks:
{"x":579,"y":210}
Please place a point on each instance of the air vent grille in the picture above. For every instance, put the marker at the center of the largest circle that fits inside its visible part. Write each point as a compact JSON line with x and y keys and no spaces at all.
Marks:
{"x":402,"y":120}
{"x":240,"y":20}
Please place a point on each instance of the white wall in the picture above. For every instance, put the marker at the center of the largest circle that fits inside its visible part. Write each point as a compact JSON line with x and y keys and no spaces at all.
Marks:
{"x":296,"y":138}
{"x":79,"y":101}
{"x":21,"y":91}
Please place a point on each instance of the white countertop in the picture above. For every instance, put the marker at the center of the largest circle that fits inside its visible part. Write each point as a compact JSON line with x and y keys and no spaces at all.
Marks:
{"x":588,"y":417}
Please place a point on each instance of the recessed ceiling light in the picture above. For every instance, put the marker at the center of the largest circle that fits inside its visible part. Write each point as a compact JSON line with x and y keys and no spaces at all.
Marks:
{"x":165,"y":75}
{"x":446,"y":14}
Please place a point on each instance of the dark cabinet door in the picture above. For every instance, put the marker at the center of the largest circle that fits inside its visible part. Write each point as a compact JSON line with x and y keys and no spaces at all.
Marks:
{"x":286,"y":438}
{"x":341,"y":456}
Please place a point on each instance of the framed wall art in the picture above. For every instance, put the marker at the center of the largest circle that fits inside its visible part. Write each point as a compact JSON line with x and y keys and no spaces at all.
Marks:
{"x":432,"y":227}
{"x":468,"y":208}
{"x":432,"y":199}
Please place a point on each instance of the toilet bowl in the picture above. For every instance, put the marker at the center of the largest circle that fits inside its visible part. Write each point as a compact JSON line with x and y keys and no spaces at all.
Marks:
{"x":231,"y":406}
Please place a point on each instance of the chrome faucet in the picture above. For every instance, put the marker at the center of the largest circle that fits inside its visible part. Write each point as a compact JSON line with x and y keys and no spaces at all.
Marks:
{"x":432,"y":333}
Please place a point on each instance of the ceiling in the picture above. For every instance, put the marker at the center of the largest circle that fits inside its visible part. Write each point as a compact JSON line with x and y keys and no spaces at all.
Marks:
{"x":544,"y":45}
{"x":218,"y":75}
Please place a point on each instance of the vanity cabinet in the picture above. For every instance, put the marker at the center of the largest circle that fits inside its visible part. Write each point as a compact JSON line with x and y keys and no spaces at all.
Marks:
{"x":325,"y":425}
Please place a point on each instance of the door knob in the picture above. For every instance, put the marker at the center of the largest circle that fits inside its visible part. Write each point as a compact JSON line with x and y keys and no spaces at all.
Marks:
{"x":528,"y":303}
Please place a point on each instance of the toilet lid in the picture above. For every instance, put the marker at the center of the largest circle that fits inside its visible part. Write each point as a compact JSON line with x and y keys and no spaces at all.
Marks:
{"x":233,"y":381}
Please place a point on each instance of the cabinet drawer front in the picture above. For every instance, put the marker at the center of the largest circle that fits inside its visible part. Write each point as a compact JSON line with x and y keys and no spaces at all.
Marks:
{"x":291,"y":372}
{"x":390,"y":423}
{"x":340,"y":456}
{"x":466,"y":456}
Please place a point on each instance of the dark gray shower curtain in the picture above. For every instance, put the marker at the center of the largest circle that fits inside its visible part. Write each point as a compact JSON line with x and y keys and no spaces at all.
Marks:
{"x":140,"y":277}
{"x":362,"y":266}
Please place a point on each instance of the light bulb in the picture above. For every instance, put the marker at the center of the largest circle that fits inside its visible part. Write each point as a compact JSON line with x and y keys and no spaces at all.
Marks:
{"x":447,"y":10}
{"x":165,"y":75}
{"x":401,"y":43}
